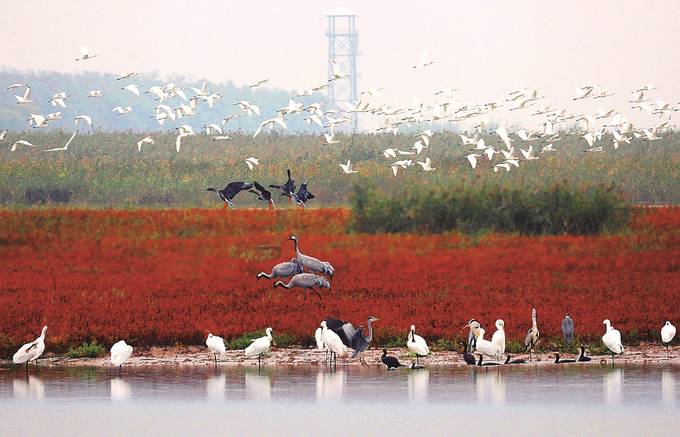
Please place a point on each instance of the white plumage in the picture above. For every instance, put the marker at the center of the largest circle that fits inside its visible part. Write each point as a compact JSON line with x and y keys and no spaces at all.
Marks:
{"x":215,"y":344}
{"x":332,"y":340}
{"x":612,"y":338}
{"x":417,"y":344}
{"x":260,"y":345}
{"x":120,"y":352}
{"x":318,"y":336}
{"x":498,"y":338}
{"x":31,"y":351}
{"x":485,"y":347}
{"x":668,"y":332}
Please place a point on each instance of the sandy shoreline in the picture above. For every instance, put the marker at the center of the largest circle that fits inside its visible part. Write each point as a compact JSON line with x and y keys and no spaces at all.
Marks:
{"x":200,"y":356}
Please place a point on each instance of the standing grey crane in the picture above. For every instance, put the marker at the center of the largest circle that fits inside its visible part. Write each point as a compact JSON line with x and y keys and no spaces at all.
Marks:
{"x":283,"y":270}
{"x":568,"y":329}
{"x":308,"y":281}
{"x":532,"y":335}
{"x":311,"y":263}
{"x":360,"y":343}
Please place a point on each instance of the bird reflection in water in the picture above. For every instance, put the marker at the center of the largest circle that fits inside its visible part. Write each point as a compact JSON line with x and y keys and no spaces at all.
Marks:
{"x":330,"y":385}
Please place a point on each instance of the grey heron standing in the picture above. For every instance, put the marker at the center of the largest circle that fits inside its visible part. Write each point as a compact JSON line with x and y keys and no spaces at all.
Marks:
{"x":532,"y":335}
{"x":360,"y":343}
{"x":568,"y":329}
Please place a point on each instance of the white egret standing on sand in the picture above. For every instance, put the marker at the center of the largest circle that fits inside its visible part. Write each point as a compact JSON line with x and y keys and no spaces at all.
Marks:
{"x":612,"y":339}
{"x":120,"y":352}
{"x":31,"y":351}
{"x":498,"y":338}
{"x":260,"y":346}
{"x":332,"y":341}
{"x":215,"y":345}
{"x":667,"y":334}
{"x":417,"y":344}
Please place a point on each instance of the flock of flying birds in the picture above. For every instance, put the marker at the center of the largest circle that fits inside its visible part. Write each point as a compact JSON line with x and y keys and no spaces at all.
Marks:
{"x":175,"y":103}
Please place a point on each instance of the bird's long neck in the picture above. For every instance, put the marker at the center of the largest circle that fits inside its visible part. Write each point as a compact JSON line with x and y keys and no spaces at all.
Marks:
{"x":297,"y":250}
{"x":370,"y":330}
{"x":533,"y":321}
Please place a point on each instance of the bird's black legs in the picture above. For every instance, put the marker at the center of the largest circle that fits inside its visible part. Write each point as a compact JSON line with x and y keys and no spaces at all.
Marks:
{"x":259,"y":363}
{"x":215,"y":355}
{"x":26,"y":369}
{"x":668,"y":352}
{"x":120,"y":370}
{"x":317,"y":293}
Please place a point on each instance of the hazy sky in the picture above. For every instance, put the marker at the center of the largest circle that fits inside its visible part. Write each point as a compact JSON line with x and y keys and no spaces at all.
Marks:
{"x":484,"y":47}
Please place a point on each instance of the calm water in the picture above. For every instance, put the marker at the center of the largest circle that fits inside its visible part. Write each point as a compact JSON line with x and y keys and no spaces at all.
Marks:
{"x":513,"y":400}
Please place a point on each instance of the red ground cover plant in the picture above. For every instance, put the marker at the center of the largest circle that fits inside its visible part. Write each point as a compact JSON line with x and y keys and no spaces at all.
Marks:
{"x":169,"y":276}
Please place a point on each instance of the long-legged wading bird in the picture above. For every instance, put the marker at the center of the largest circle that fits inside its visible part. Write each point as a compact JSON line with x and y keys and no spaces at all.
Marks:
{"x":391,"y":362}
{"x":307,"y":281}
{"x":416,"y":344}
{"x":120,"y":353}
{"x":360,"y":343}
{"x":311,"y":263}
{"x":263,"y":194}
{"x":467,"y":356}
{"x":232,"y":189}
{"x":498,"y":338}
{"x":486,"y":347}
{"x":583,"y":358}
{"x":215,"y":345}
{"x":472,"y":335}
{"x":260,"y":346}
{"x":31,"y":351}
{"x":568,"y":329}
{"x":287,"y":188}
{"x":612,"y":339}
{"x":532,"y":335}
{"x":318,"y":338}
{"x":667,"y":335}
{"x":332,"y":341}
{"x":283,"y":270}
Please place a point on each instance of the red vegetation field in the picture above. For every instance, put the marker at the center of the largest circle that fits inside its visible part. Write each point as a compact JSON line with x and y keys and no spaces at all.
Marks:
{"x":165,"y":277}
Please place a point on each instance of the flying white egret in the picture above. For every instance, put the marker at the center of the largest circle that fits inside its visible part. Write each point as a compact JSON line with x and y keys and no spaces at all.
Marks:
{"x":258,"y":84}
{"x":252,"y":162}
{"x":260,"y":346}
{"x":329,"y":138}
{"x":347,"y":168}
{"x":472,"y":159}
{"x":119,"y":110}
{"x":612,"y":339}
{"x":61,"y":149}
{"x":390,"y":153}
{"x":215,"y":345}
{"x":427,"y":165}
{"x":26,"y":98}
{"x":271,"y":123}
{"x":529,"y":154}
{"x":58,"y":99}
{"x":667,"y":334}
{"x":145,"y":140}
{"x":37,"y":120}
{"x":120,"y":353}
{"x":423,"y":62}
{"x":3,"y":134}
{"x":86,"y":118}
{"x":134,"y":89}
{"x":126,"y":76}
{"x":85,"y":54}
{"x":335,"y":72}
{"x":95,"y":93}
{"x":21,"y":143}
{"x":31,"y":351}
{"x":416,"y":344}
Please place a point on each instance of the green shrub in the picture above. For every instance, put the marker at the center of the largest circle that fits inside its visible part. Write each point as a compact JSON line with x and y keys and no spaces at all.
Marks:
{"x":557,"y":209}
{"x":86,"y":350}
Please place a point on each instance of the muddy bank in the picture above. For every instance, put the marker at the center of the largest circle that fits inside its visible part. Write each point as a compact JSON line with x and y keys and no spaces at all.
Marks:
{"x":200,"y":356}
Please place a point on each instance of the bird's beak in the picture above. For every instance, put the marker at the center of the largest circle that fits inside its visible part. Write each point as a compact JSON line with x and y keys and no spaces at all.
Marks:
{"x":466,"y":326}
